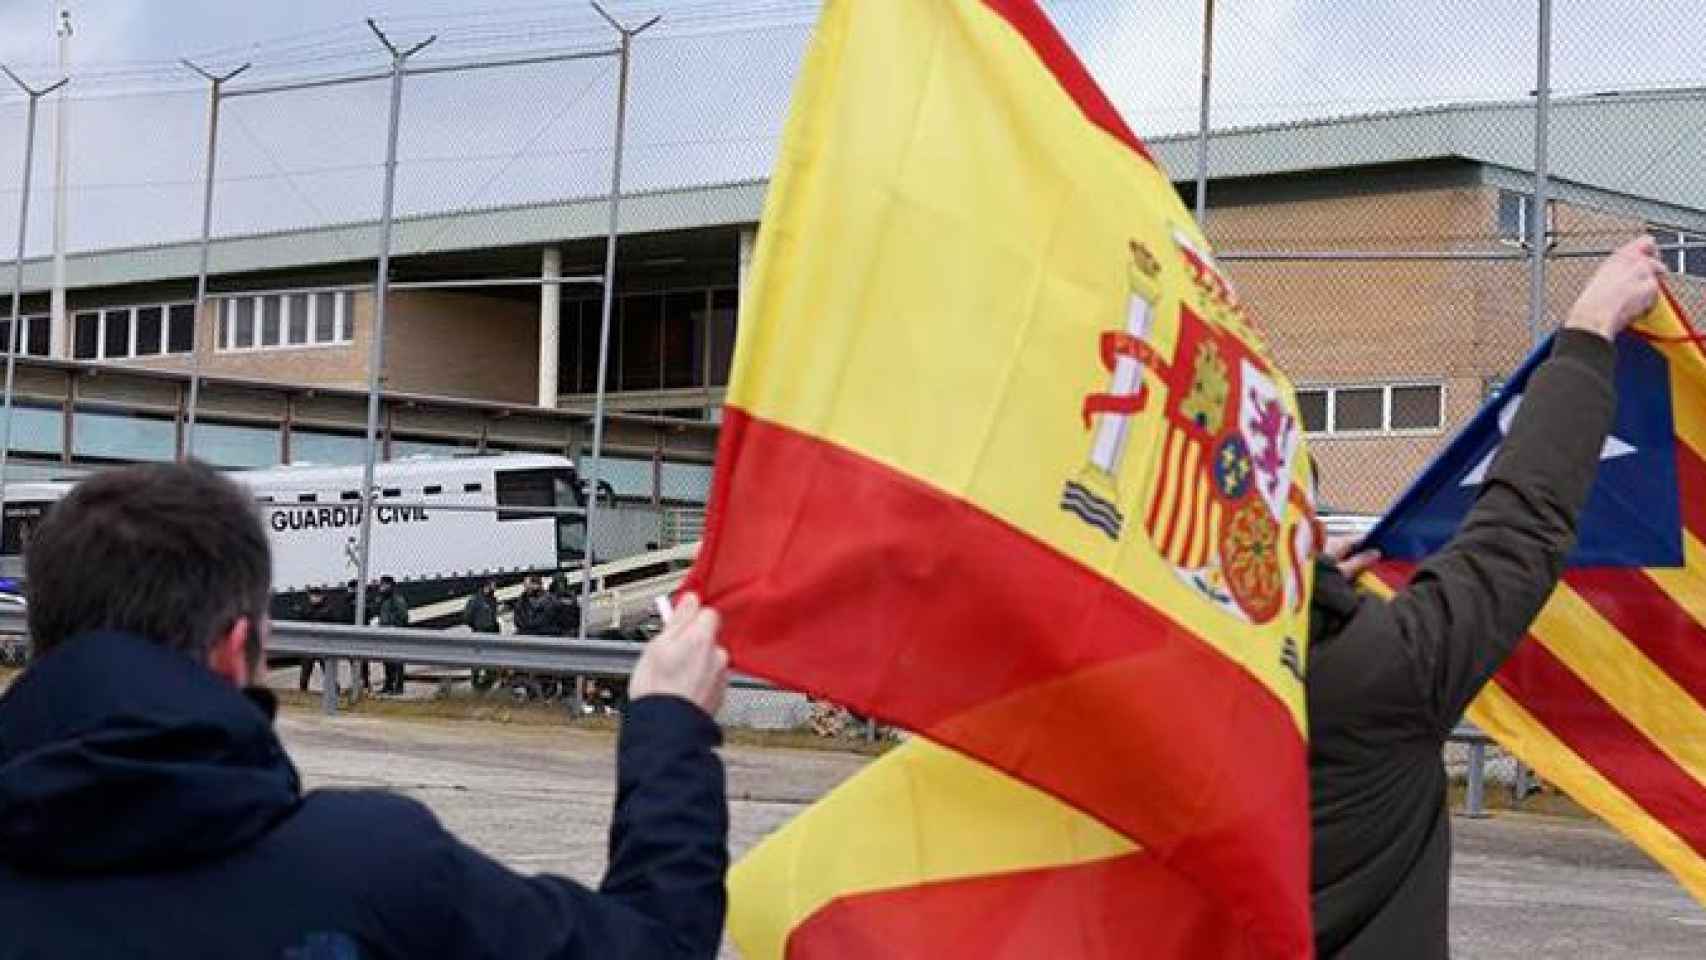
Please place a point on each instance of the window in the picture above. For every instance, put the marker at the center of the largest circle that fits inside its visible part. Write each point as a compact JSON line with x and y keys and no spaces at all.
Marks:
{"x":241,"y":323}
{"x":150,"y":330}
{"x":120,"y":333}
{"x":271,"y":315}
{"x":120,"y":435}
{"x":721,"y":336}
{"x":296,"y":317}
{"x":87,"y":338}
{"x":38,"y":332}
{"x":37,"y":429}
{"x":674,"y":340}
{"x":330,"y":449}
{"x":1312,"y":404}
{"x":1416,"y":408}
{"x":641,"y":343}
{"x":33,"y":334}
{"x":180,"y":332}
{"x":1513,"y":217}
{"x":230,"y":445}
{"x":1358,"y":409}
{"x":273,"y":321}
{"x":1372,"y":409}
{"x":526,"y":488}
{"x":115,"y":334}
{"x":1682,"y":252}
{"x":683,"y":338}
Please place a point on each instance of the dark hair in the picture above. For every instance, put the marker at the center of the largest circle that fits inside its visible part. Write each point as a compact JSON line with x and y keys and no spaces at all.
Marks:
{"x":387,"y":581}
{"x":174,"y":553}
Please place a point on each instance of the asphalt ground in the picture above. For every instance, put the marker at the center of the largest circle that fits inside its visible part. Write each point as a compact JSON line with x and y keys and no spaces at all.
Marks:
{"x":537,"y":797}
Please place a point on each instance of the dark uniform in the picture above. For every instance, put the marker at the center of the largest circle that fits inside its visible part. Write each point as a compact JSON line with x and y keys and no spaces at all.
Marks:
{"x":393,"y":612}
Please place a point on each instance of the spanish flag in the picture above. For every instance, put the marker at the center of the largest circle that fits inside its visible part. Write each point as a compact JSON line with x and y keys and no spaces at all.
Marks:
{"x":1606,"y":697}
{"x":1006,"y":461}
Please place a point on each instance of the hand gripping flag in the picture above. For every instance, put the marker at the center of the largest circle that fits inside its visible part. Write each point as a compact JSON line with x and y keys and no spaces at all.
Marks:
{"x":1005,"y":460}
{"x":1606,"y":697}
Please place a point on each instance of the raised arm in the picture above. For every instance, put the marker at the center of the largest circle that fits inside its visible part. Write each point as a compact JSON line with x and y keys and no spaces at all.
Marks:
{"x":1471,"y":603}
{"x":662,"y":897}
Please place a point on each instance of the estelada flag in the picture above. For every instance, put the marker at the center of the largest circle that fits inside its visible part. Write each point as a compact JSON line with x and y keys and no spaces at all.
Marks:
{"x":1606,"y":697}
{"x":1006,"y":461}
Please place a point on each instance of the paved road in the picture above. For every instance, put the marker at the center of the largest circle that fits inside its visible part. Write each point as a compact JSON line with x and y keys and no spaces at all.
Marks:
{"x":538,"y":798}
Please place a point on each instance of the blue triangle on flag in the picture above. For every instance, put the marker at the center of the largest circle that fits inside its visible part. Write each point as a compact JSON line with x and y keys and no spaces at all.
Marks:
{"x":1633,"y":517}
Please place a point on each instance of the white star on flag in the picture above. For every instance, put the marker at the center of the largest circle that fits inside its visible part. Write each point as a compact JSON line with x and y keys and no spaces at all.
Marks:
{"x":1613,"y":448}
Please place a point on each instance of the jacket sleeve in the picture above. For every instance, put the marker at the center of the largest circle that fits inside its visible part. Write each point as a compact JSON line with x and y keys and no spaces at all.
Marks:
{"x":1469,"y":605}
{"x":662,"y":897}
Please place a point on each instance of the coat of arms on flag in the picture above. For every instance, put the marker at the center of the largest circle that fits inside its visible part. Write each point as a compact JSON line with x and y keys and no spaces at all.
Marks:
{"x":1006,"y":462}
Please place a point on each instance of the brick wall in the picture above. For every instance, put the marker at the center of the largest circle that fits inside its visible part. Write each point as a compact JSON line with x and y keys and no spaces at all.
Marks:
{"x":1458,"y":323}
{"x":460,"y":345}
{"x":463,"y":345}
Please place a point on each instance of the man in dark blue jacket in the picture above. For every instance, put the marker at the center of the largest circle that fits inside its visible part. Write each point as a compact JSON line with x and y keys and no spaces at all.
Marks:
{"x":147,"y":808}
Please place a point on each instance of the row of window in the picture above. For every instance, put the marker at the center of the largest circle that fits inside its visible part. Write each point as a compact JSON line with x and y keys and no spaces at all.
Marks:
{"x":1364,"y":410}
{"x":274,"y":321}
{"x":1686,"y":253}
{"x":120,"y":333}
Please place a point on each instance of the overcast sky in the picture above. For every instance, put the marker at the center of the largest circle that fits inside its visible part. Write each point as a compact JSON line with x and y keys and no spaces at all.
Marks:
{"x":710,"y":90}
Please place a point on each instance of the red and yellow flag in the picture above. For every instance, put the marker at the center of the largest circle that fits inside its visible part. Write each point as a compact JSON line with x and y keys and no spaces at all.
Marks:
{"x":1606,"y":697}
{"x":1006,"y":461}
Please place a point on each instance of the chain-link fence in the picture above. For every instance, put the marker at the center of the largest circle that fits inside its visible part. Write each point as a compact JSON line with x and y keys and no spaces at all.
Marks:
{"x":1371,"y":178}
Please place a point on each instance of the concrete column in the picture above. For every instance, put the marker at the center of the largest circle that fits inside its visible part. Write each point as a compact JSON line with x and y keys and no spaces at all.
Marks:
{"x":550,"y":324}
{"x":748,"y":243}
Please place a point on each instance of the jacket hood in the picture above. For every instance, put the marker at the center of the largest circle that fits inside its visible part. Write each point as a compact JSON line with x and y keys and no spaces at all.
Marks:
{"x":119,"y":754}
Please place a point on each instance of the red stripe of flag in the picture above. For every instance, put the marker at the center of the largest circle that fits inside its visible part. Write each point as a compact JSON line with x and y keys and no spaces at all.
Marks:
{"x":1691,"y":488}
{"x":853,"y":581}
{"x":1192,"y":484}
{"x":1577,"y":715}
{"x":1051,"y":48}
{"x":1128,"y":906}
{"x":1649,"y":619}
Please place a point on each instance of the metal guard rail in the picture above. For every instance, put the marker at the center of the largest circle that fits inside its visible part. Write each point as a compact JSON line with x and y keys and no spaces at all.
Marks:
{"x":600,"y":658}
{"x":439,"y":648}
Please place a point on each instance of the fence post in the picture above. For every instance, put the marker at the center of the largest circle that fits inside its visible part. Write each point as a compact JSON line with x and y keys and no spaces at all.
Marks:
{"x":12,"y":338}
{"x":376,"y":344}
{"x":216,"y":83}
{"x":1203,"y":113}
{"x":1476,"y":799}
{"x":626,"y":55}
{"x":1539,"y":235}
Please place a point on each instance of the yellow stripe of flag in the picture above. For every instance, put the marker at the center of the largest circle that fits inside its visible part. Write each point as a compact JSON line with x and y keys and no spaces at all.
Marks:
{"x":1506,"y":721}
{"x":920,"y":814}
{"x":1624,"y":677}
